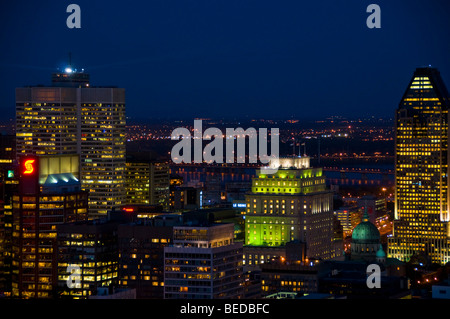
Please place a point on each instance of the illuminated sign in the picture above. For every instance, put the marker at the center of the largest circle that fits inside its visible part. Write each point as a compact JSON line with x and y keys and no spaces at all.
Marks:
{"x":29,"y":175}
{"x":29,"y":166}
{"x":239,"y":205}
{"x":10,"y":174}
{"x":129,"y":210}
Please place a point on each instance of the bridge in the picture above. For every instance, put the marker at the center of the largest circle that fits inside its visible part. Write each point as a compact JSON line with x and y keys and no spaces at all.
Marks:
{"x":245,"y":172}
{"x":245,"y":166}
{"x":358,"y":170}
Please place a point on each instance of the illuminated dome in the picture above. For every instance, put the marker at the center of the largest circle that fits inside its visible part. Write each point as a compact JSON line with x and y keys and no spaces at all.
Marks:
{"x":365,"y":240}
{"x":365,"y":232}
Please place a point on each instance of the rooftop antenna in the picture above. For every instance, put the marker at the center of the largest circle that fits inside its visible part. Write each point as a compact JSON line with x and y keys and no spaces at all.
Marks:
{"x":293,"y":145}
{"x":69,"y":68}
{"x":300,"y":149}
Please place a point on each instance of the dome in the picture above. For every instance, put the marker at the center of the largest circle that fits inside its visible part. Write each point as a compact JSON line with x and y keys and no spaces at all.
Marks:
{"x":381,"y":253}
{"x":365,"y":240}
{"x":365,"y":232}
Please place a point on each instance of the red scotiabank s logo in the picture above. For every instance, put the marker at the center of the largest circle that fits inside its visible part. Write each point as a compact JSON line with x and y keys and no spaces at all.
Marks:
{"x":29,"y":167}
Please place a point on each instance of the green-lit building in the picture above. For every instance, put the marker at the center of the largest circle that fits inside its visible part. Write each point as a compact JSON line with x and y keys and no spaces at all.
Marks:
{"x":292,"y":205}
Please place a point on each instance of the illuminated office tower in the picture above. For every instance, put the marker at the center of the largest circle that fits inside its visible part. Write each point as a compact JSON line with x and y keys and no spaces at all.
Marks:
{"x":421,"y":166}
{"x":73,"y":117}
{"x":160,"y":184}
{"x":49,"y":195}
{"x":102,"y":148}
{"x":7,"y":152}
{"x":147,"y":183}
{"x":92,"y":246}
{"x":292,"y":205}
{"x":8,"y":185}
{"x":204,"y":262}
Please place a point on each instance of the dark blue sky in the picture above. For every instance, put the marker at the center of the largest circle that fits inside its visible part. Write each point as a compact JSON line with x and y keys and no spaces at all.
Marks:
{"x":225,"y":58}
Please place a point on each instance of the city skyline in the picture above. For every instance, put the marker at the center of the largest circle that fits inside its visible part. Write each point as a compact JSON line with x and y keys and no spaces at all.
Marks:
{"x":136,"y":164}
{"x":72,"y":117}
{"x":252,"y":58}
{"x":283,"y":232}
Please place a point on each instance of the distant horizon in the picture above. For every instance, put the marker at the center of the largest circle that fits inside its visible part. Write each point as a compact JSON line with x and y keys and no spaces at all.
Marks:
{"x":336,"y":118}
{"x":208,"y":112}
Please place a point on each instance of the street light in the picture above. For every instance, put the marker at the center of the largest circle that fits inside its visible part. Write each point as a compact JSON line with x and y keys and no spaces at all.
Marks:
{"x":384,"y":191}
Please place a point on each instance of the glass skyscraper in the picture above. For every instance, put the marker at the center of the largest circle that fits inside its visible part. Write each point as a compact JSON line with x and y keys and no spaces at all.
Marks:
{"x":421,"y":164}
{"x":72,"y":117}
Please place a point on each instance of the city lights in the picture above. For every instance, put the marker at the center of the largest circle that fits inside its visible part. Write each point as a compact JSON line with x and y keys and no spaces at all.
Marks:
{"x":213,"y":158}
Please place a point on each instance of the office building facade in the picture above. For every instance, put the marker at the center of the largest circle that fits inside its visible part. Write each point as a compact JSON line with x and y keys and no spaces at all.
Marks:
{"x":204,"y":262}
{"x":49,"y":195}
{"x":87,"y":250}
{"x":421,"y":225}
{"x":148,"y":183}
{"x":71,"y":117}
{"x":141,"y":255}
{"x":8,"y":185}
{"x":292,"y":277}
{"x":292,"y":205}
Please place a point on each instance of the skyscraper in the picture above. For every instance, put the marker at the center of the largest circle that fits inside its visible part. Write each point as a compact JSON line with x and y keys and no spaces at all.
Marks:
{"x":49,"y":195}
{"x":292,"y":205}
{"x":71,"y":117}
{"x":421,"y":167}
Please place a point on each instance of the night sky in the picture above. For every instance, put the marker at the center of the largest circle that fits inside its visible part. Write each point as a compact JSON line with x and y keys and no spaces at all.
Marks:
{"x":230,"y":58}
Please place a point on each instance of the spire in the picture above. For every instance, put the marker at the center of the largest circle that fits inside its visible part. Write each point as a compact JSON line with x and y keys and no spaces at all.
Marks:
{"x":365,"y":217}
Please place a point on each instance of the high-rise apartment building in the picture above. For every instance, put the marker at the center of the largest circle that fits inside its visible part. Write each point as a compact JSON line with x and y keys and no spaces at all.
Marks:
{"x":49,"y":195}
{"x":204,"y":262}
{"x":421,"y":225}
{"x":72,"y":117}
{"x":292,"y":205}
